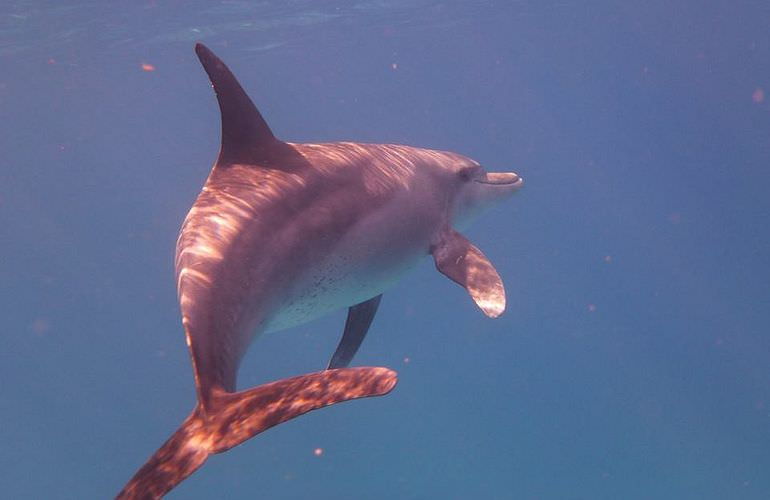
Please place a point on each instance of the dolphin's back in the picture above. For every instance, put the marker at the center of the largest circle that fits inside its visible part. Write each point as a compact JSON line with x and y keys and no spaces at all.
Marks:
{"x":266,"y":249}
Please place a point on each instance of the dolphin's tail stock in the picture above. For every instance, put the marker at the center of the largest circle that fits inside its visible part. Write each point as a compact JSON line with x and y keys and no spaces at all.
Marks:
{"x":232,"y":418}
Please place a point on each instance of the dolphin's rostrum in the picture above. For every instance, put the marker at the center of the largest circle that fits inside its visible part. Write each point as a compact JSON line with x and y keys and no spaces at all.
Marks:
{"x":282,"y":233}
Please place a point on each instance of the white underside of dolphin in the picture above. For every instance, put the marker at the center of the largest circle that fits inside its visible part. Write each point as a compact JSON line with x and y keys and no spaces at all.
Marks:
{"x":282,"y":233}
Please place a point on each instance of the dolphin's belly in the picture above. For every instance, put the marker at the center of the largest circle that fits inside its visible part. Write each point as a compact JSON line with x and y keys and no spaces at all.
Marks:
{"x":330,"y":288}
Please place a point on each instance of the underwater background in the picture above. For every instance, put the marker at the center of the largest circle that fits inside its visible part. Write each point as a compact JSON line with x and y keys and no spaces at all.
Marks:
{"x":633,"y":360}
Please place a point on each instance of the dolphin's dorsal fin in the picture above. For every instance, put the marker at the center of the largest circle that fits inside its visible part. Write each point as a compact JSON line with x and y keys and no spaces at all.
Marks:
{"x":246,"y":137}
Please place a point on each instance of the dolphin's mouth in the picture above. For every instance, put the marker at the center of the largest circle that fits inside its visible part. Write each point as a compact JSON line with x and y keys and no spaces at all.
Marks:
{"x":501,"y":179}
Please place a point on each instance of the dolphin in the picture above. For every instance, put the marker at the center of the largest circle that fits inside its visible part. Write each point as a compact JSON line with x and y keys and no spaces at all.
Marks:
{"x":282,"y":233}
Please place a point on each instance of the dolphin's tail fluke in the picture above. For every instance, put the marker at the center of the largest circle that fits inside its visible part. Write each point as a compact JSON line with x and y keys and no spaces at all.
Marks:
{"x":232,"y":418}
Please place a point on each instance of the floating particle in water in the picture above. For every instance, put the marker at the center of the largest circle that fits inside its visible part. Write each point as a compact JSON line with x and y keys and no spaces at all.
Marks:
{"x":148,"y":67}
{"x":758,"y":96}
{"x":318,"y":452}
{"x":591,"y":308}
{"x":40,"y":326}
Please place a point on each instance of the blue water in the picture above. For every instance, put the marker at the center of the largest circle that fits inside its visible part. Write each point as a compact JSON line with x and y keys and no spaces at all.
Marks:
{"x":633,"y":359}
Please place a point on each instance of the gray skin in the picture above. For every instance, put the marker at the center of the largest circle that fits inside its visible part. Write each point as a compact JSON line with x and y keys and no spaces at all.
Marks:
{"x":283,"y":233}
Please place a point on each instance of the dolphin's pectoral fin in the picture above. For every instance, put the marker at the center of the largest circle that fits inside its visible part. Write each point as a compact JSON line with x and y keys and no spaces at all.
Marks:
{"x":463,"y":263}
{"x":360,"y":317}
{"x":236,"y":417}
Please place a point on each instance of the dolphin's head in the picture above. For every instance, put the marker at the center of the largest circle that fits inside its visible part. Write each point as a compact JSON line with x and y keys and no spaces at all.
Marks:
{"x":475,"y":189}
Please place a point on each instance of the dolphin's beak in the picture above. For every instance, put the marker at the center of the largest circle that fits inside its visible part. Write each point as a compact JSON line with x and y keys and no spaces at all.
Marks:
{"x":510,"y":179}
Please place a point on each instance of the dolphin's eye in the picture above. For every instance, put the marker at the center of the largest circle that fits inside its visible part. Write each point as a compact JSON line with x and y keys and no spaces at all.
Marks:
{"x":469,"y":173}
